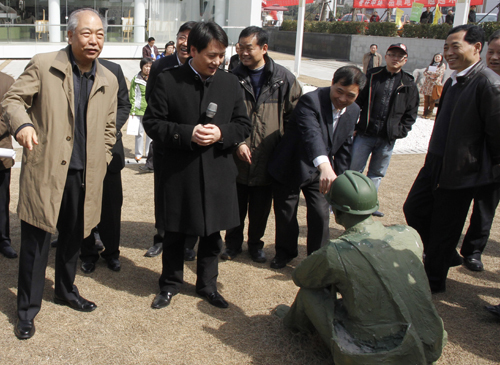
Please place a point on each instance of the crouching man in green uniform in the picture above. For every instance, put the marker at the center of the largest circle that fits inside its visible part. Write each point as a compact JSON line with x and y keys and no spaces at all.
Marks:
{"x":366,"y":293}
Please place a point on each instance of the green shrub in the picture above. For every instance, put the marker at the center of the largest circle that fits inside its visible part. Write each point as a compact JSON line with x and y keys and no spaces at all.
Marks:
{"x":436,"y":31}
{"x":386,"y":29}
{"x":289,"y":25}
{"x":489,"y":28}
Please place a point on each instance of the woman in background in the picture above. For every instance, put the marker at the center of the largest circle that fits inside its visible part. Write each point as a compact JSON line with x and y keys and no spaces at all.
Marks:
{"x":137,"y":96}
{"x":433,"y":76}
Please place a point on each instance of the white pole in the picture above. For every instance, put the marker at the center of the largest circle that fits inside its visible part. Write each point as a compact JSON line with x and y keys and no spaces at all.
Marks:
{"x":461,"y":12}
{"x":139,"y":21}
{"x":300,"y":36}
{"x":54,"y":20}
{"x":334,"y":7}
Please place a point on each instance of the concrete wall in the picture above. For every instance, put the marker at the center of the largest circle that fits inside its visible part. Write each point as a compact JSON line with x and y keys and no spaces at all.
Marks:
{"x":420,"y":51}
{"x":353,"y":47}
{"x":316,"y":45}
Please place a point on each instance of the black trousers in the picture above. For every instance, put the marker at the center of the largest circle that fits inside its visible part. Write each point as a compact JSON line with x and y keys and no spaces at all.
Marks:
{"x":257,"y":200}
{"x":35,"y":244}
{"x":286,"y":202}
{"x":438,"y":215}
{"x":158,"y":190}
{"x":156,"y":153}
{"x":486,"y":200}
{"x":4,"y":208}
{"x":109,"y":226}
{"x":207,"y":265}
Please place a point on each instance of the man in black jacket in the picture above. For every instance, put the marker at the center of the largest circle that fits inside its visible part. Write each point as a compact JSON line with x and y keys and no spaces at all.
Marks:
{"x":112,"y":192}
{"x":197,"y":114}
{"x":315,"y":148}
{"x":426,"y":17}
{"x":155,"y":155}
{"x":463,"y":154}
{"x":270,"y":92}
{"x":389,"y":106}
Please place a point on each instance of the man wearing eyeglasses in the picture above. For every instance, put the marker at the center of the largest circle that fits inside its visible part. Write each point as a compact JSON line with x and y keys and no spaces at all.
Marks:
{"x":389,"y":108}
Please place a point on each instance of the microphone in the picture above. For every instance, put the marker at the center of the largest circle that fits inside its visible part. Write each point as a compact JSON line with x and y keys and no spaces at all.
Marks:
{"x":211,"y":111}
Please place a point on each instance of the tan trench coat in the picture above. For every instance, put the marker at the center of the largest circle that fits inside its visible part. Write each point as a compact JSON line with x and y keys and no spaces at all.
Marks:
{"x":43,"y":96}
{"x":5,"y":139}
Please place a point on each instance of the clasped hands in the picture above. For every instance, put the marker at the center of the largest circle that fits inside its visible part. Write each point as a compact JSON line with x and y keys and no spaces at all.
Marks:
{"x":206,"y":134}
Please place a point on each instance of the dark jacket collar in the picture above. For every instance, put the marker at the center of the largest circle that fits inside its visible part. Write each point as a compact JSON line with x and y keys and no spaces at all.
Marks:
{"x":242,"y":71}
{"x":406,"y":78}
{"x":478,"y":67}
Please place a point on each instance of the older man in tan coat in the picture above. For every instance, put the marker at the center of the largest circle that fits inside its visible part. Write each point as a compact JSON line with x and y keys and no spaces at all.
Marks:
{"x":62,"y":111}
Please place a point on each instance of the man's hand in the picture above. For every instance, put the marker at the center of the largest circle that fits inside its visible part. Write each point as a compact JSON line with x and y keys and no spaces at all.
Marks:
{"x":205,"y":135}
{"x":244,"y":154}
{"x":326,"y":177}
{"x":26,"y":137}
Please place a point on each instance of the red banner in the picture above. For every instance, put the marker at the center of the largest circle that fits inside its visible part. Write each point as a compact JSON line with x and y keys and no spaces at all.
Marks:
{"x":286,"y":2}
{"x":384,"y":4}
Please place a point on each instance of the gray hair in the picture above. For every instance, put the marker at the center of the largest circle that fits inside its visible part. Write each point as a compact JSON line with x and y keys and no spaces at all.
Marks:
{"x":73,"y":18}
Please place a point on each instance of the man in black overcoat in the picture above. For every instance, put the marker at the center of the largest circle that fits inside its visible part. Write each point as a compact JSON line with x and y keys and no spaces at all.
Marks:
{"x":315,"y":148}
{"x":155,"y":155}
{"x":198,"y":179}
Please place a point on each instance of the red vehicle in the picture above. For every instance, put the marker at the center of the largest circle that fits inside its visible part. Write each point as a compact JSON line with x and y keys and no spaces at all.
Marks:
{"x":359,"y":18}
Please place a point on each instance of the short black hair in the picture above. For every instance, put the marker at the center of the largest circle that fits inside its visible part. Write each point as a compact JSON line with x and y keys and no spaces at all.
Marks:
{"x":151,"y":39}
{"x":371,"y":45}
{"x":170,"y":43}
{"x":349,"y":75}
{"x":259,"y":33}
{"x":495,"y":35}
{"x":473,"y":33}
{"x":145,"y":61}
{"x":205,"y":32}
{"x":186,"y":26}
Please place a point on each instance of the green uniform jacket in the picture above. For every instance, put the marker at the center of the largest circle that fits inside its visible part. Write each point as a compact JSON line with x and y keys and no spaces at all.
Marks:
{"x":386,"y":315}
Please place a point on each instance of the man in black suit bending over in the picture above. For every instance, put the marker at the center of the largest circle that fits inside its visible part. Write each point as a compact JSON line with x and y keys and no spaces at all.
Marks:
{"x":155,"y":155}
{"x":315,"y":148}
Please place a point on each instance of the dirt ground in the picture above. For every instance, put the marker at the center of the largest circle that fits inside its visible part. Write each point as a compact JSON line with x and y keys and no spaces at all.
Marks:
{"x":125,"y":330}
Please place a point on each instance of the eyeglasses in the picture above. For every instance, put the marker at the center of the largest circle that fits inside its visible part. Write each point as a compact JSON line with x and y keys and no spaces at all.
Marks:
{"x":396,"y":56}
{"x":182,"y":38}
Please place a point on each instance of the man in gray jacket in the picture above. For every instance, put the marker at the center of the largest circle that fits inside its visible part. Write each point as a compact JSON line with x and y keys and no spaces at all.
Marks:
{"x":270,"y":93}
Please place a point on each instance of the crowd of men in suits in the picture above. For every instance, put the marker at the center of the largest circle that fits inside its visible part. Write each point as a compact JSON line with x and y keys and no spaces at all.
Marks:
{"x":224,"y":146}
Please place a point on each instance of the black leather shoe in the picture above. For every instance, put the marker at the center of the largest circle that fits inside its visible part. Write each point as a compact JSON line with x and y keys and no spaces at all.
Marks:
{"x":229,"y":254}
{"x":280,"y":262}
{"x":53,"y":243}
{"x":24,"y":329}
{"x":189,"y":254}
{"x":216,"y":300}
{"x":378,"y":214}
{"x":114,"y":264}
{"x":258,"y":256}
{"x":8,"y":252}
{"x":81,"y":304}
{"x":88,"y":267}
{"x":493,"y":309}
{"x":162,"y":300}
{"x":473,"y":264}
{"x":456,"y":260}
{"x":154,"y":250}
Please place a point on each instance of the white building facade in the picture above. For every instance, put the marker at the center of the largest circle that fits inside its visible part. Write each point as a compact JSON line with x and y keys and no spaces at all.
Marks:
{"x":28,"y":27}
